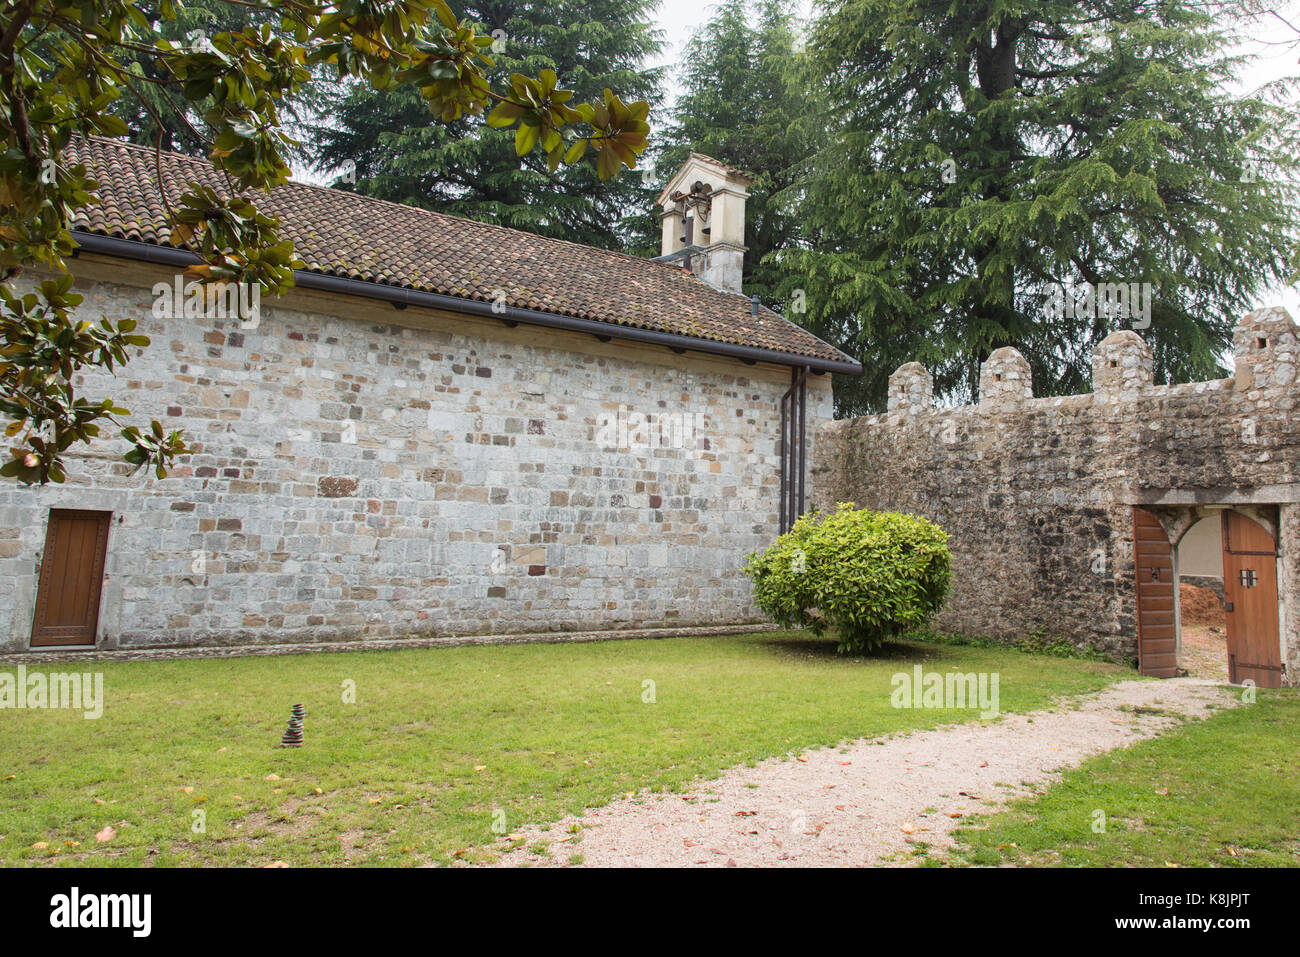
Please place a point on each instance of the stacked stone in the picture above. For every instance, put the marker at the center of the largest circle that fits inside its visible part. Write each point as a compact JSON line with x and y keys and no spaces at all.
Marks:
{"x":293,"y":733}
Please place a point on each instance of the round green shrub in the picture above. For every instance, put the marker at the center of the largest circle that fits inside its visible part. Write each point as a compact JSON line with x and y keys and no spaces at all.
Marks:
{"x":867,"y":576}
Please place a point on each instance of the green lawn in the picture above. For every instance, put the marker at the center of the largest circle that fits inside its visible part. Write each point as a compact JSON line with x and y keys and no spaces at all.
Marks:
{"x":1223,"y":792}
{"x":438,"y":740}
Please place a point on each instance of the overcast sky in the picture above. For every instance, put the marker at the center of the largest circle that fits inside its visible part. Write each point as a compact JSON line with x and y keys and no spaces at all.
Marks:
{"x":1276,"y":47}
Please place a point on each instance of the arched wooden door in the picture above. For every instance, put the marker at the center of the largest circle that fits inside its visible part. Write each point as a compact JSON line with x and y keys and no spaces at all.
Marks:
{"x":1153,"y":559}
{"x":1250,"y":589}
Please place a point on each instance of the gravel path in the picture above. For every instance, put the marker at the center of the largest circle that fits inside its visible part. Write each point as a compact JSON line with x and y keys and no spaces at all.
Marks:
{"x":863,"y":803}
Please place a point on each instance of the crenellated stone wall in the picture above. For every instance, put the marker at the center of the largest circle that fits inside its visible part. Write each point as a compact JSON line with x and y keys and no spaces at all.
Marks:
{"x":367,"y":473}
{"x":1037,"y":494}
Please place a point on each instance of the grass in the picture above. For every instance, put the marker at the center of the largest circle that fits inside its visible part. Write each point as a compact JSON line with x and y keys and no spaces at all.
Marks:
{"x":440,"y":741}
{"x":1215,"y":793}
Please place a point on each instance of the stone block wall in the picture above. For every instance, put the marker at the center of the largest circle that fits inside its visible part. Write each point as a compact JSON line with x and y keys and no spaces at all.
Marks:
{"x":364,"y":472}
{"x":1036,"y":494}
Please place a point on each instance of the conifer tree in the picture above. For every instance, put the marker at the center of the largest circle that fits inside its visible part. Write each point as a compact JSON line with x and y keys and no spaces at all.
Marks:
{"x":987,"y":156}
{"x":385,"y":144}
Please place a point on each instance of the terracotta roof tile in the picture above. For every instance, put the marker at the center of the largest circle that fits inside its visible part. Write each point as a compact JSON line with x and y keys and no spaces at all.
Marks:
{"x":345,"y":234}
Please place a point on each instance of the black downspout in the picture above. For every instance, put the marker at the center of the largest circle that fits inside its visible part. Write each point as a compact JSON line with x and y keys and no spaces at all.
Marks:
{"x":794,"y":437}
{"x":782,"y":528}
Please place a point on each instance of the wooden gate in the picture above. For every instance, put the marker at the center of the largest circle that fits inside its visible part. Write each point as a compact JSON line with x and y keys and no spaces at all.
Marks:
{"x":1250,"y":590}
{"x":1154,"y":562}
{"x":72,"y":572}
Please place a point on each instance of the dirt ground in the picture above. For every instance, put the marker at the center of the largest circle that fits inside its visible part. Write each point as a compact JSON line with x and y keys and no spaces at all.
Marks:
{"x":1205,"y":646}
{"x":869,"y":802}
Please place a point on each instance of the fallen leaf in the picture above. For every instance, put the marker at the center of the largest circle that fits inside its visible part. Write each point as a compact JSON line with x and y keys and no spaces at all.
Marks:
{"x":187,"y":790}
{"x":845,"y":762}
{"x":804,"y":760}
{"x":317,"y":791}
{"x":271,"y":777}
{"x":689,"y":843}
{"x":460,"y":852}
{"x":907,"y":828}
{"x":1163,"y":792}
{"x":72,"y":843}
{"x":984,"y":764}
{"x":275,"y":864}
{"x":40,"y":846}
{"x":828,"y":786}
{"x":955,"y":814}
{"x":375,"y":800}
{"x":745,"y":813}
{"x":480,"y":767}
{"x":107,"y":834}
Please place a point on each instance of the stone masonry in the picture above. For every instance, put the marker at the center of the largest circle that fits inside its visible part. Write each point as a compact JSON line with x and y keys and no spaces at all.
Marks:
{"x":362,"y":472}
{"x":1036,"y":494}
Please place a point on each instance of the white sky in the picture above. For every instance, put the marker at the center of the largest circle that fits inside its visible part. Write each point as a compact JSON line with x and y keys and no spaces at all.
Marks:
{"x":1272,"y":42}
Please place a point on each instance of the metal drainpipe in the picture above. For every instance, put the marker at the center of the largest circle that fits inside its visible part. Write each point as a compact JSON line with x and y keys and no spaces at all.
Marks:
{"x":794,"y":436}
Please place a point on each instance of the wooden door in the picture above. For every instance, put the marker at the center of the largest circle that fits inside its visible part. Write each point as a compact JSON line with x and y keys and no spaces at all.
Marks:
{"x":1250,"y":588}
{"x":72,"y":573}
{"x":1154,"y":563}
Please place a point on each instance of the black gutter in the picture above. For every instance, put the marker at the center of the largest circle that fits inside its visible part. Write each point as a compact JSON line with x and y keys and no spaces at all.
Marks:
{"x":403,"y":296}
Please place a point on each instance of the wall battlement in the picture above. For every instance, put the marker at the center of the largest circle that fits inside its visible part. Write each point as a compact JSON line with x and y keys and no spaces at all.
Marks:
{"x":1037,"y":493}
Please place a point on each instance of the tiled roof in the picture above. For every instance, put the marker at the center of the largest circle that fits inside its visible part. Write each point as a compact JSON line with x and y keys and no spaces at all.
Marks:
{"x":344,"y":234}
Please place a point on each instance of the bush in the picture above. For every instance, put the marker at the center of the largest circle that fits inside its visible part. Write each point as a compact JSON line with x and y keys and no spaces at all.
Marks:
{"x":866,"y":575}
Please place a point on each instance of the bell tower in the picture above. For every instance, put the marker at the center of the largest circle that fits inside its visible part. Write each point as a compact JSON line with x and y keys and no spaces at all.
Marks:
{"x":703,"y":214}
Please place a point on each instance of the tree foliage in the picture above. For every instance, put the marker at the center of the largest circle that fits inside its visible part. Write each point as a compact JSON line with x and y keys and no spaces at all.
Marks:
{"x":64,"y":63}
{"x":381,"y":143}
{"x":986,"y":153}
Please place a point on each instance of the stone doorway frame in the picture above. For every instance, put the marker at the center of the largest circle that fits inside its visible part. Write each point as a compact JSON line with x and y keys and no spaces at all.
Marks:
{"x":1177,"y":520}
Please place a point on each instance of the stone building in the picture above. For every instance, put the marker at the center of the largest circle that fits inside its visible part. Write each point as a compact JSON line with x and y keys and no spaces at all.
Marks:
{"x":1067,"y":516}
{"x":445,"y":429}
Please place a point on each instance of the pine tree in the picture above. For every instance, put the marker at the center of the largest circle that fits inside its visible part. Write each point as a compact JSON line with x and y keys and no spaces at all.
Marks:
{"x":986,"y":154}
{"x":393,"y":149}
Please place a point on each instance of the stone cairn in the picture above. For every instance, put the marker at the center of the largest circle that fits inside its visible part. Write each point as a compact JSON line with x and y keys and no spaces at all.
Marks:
{"x":293,"y":733}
